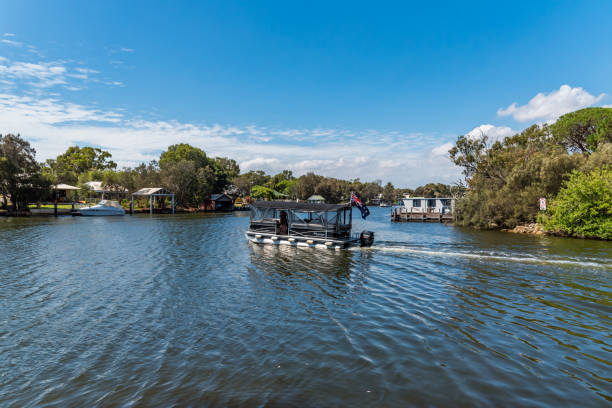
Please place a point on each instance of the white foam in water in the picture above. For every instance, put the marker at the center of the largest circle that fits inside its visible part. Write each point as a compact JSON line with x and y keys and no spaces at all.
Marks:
{"x":486,"y":257}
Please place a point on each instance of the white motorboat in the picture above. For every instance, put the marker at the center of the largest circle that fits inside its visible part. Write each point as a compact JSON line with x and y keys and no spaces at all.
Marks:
{"x":104,"y":207}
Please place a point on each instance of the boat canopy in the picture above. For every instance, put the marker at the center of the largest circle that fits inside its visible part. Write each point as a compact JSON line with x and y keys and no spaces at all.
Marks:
{"x":301,"y":219}
{"x":301,"y":207}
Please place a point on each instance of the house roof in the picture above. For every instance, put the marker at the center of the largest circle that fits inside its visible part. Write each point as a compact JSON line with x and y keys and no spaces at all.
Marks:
{"x":98,"y":187}
{"x":64,"y":187}
{"x":292,"y":205}
{"x":427,"y":198}
{"x":152,"y":190}
{"x":220,"y":197}
{"x":315,"y":198}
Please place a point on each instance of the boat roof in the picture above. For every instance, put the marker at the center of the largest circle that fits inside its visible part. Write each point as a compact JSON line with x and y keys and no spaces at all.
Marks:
{"x":292,"y":205}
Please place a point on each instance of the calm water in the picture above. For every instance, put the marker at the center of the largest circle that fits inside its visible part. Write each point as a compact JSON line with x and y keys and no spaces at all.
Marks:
{"x":162,"y":311}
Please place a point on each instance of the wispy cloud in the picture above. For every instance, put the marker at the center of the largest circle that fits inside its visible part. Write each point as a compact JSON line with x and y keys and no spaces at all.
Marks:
{"x":121,"y":50}
{"x":549,"y":107}
{"x":53,"y":125}
{"x":11,"y":42}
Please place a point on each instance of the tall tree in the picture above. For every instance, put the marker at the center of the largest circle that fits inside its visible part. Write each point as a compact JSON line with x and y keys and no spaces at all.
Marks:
{"x":584,"y":130}
{"x":76,"y":160}
{"x":183,"y":151}
{"x":389,"y":193}
{"x":20,"y":174}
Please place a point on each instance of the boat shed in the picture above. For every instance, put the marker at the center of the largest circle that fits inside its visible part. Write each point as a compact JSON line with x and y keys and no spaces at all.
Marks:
{"x":152,"y":192}
{"x":222,"y":202}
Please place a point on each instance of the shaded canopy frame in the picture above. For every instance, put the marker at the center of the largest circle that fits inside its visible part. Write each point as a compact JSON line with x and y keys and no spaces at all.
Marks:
{"x":152,"y":192}
{"x":292,"y":208}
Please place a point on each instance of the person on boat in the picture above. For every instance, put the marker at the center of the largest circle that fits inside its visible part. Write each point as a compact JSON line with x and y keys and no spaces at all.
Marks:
{"x":284,"y":224}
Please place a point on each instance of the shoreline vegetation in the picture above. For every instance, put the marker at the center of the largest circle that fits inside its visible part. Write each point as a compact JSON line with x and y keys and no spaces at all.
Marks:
{"x":569,"y":163}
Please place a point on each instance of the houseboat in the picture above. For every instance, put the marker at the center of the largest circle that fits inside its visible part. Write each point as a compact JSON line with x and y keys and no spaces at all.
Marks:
{"x":440,"y":209}
{"x":314,"y":225}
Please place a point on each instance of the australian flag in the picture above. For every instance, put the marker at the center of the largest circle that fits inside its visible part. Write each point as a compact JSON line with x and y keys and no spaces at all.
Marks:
{"x":357,"y":202}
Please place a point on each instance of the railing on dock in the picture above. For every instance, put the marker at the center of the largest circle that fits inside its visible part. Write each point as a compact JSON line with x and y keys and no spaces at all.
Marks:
{"x":402,"y":214}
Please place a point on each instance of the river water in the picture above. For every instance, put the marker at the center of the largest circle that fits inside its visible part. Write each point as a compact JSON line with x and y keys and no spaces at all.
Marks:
{"x":181,"y":310}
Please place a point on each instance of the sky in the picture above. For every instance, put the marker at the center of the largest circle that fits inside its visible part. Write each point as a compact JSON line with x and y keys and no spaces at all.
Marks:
{"x":375,"y":91}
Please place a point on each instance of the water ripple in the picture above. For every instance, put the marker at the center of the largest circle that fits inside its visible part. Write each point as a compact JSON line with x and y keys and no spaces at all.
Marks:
{"x":141,"y":311}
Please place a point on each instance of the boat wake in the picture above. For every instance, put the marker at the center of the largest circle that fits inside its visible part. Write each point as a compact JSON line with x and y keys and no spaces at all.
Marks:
{"x":386,"y":247}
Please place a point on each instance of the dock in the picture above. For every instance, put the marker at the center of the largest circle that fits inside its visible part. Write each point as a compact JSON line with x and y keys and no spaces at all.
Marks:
{"x":401,"y":214}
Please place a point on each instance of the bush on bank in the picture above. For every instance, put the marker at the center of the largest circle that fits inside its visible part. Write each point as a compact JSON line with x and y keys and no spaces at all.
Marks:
{"x":583,"y":206}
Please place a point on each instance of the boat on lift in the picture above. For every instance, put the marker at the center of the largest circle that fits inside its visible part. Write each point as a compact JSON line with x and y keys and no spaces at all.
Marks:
{"x":314,"y":225}
{"x":104,"y":207}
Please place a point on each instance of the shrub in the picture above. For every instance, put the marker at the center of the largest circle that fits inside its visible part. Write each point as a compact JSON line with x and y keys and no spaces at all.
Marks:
{"x":583,"y":206}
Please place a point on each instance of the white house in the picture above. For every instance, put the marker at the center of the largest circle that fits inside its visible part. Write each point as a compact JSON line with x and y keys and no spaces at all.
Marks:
{"x":442,"y":205}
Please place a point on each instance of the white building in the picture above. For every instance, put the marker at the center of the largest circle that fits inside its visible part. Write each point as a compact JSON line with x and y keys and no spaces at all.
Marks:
{"x":444,"y":205}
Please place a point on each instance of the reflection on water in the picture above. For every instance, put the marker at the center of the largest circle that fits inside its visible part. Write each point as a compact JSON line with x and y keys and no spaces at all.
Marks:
{"x":183,"y":311}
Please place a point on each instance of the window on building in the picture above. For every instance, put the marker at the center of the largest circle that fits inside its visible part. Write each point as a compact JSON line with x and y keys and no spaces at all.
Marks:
{"x":416,"y":203}
{"x":431,"y":203}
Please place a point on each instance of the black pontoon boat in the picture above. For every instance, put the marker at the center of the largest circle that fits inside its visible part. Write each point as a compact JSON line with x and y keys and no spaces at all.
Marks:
{"x":304,"y":225}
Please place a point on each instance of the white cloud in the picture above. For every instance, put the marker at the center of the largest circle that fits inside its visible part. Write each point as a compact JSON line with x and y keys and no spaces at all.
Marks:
{"x":8,"y":34}
{"x":258,"y":162}
{"x":606,"y":106}
{"x":52,"y":125}
{"x":442,"y":150}
{"x":549,"y":107}
{"x":493,"y":133}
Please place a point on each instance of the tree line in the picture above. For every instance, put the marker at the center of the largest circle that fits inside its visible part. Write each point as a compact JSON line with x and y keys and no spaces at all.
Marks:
{"x":568,"y":162}
{"x":182,"y":169}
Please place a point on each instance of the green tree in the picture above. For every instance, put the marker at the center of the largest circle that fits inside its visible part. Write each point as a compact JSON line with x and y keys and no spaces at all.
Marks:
{"x":192,"y":185}
{"x":21,"y":179}
{"x":330,"y":189}
{"x":67,"y":167}
{"x":253,"y":178}
{"x":183,"y":152}
{"x":506,"y":179}
{"x":583,"y":130}
{"x":306,"y":185}
{"x":262,"y":192}
{"x":389,"y":193}
{"x":583,"y":207}
{"x":228,"y":166}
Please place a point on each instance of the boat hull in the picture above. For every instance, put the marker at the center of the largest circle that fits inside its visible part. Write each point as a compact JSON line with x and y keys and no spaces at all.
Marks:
{"x":91,"y":212}
{"x":299,"y":242}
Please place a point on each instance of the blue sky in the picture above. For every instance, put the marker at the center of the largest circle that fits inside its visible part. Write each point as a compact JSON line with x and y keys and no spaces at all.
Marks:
{"x":346,"y":89}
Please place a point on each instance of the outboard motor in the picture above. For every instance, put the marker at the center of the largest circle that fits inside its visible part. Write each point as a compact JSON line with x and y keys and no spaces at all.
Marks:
{"x":366,"y":238}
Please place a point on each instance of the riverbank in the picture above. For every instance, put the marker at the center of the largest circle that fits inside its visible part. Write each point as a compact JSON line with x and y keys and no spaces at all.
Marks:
{"x":532,"y":228}
{"x":537,"y":229}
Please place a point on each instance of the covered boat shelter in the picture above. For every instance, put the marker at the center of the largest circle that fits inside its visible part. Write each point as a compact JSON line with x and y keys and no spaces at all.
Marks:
{"x":152,"y":192}
{"x":62,"y":191}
